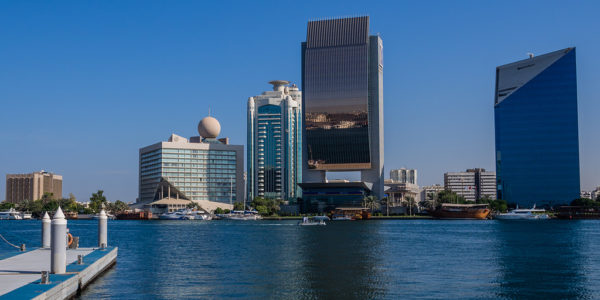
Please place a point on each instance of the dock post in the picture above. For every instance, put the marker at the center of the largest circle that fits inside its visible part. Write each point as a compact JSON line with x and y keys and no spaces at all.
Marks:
{"x":58,"y":249}
{"x":46,"y":231}
{"x":102,"y":230}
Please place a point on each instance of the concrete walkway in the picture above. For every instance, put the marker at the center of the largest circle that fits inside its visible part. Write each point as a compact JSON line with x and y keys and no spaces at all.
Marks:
{"x":26,"y":267}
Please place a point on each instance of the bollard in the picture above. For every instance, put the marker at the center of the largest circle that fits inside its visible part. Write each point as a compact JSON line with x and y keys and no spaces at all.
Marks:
{"x":79,"y":259}
{"x":46,"y":231}
{"x":102,"y":229}
{"x":58,"y":249}
{"x":45,"y":277}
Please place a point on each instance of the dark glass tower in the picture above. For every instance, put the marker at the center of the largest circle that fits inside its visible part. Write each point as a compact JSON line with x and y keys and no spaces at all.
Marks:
{"x":537,"y":144}
{"x":342,"y":100}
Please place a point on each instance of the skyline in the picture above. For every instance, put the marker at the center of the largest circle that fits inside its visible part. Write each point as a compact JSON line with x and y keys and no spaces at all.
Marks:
{"x":62,"y":72}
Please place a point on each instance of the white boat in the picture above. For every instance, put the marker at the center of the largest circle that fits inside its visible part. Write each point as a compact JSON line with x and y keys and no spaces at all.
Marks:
{"x":11,"y":214}
{"x":247,"y":215}
{"x":312,"y":222}
{"x":26,"y":216}
{"x":341,"y":218}
{"x":176,"y":215}
{"x":523,"y":214}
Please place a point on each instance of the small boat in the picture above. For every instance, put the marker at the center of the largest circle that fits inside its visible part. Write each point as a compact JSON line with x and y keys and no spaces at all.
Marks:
{"x":11,"y":214}
{"x":461,"y":211}
{"x":523,"y":214}
{"x":341,"y":218}
{"x":176,"y":215}
{"x":26,"y":216}
{"x":312,"y":222}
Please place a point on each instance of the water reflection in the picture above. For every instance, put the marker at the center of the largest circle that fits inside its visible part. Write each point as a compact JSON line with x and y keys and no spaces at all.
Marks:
{"x":341,"y":261}
{"x":538,"y":259}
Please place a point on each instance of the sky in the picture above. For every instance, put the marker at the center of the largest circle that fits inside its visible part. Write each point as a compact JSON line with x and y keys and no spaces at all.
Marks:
{"x":85,"y":84}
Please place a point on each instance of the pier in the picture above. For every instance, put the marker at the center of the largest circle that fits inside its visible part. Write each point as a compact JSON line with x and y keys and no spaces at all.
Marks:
{"x":59,"y":269}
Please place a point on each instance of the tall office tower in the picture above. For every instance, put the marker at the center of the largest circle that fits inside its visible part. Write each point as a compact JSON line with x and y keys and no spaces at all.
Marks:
{"x":404,"y":175}
{"x":275,"y":143}
{"x":537,"y":144}
{"x":473,"y":185}
{"x":200,"y":169}
{"x":342,"y":102}
{"x":24,"y":187}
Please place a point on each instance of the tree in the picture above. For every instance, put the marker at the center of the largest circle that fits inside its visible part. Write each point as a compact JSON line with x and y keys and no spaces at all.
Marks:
{"x":193,"y":205}
{"x":238,"y":206}
{"x":266,"y":206}
{"x":219,"y":211}
{"x":584,"y":202}
{"x":447,"y":196}
{"x":371,"y":203}
{"x":385,"y":201}
{"x":117,"y":207}
{"x":6,"y":205}
{"x":97,"y":201}
{"x":411,"y":202}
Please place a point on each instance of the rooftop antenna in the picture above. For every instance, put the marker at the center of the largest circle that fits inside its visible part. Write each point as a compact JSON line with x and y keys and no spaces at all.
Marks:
{"x":530,"y":54}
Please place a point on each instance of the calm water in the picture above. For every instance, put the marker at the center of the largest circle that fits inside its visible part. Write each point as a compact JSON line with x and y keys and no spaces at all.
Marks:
{"x":370,"y":259}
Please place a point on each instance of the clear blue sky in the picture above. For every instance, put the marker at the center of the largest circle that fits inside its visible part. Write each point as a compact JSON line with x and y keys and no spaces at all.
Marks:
{"x":85,"y":84}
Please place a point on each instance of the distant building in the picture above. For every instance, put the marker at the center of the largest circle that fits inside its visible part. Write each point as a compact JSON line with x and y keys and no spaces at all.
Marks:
{"x":537,"y":143}
{"x":24,"y":187}
{"x":200,"y":169}
{"x":585,"y":194}
{"x":596,"y":193}
{"x":430,"y":192}
{"x":404,"y":176}
{"x":342,"y":104}
{"x":401,"y":187}
{"x":474,"y":184}
{"x":275,"y":143}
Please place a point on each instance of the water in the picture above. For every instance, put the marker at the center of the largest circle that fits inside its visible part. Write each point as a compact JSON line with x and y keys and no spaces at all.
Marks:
{"x":389,"y":259}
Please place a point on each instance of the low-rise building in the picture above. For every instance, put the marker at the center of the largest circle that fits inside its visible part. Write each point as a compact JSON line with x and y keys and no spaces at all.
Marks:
{"x":32,"y":186}
{"x":430,"y":193}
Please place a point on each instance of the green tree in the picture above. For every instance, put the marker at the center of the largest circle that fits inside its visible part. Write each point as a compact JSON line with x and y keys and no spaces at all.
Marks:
{"x":371,"y":203}
{"x":117,"y":207}
{"x":447,"y":196}
{"x":97,"y":201}
{"x":584,"y":202}
{"x":266,"y":206}
{"x":6,"y":205}
{"x":193,"y":205}
{"x":219,"y":211}
{"x":410,"y":202}
{"x":238,"y":206}
{"x":385,"y":201}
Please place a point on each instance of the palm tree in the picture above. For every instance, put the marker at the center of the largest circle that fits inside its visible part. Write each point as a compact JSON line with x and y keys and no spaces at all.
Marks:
{"x":371,"y":203}
{"x":411,"y":201}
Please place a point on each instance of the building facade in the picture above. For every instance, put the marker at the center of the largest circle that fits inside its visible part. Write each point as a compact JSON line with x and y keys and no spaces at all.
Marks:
{"x":430,"y":192}
{"x":404,"y":176}
{"x":275,"y":143}
{"x":342,"y":101}
{"x":28,"y":187}
{"x":536,"y":126}
{"x":200,"y":169}
{"x":473,"y":185}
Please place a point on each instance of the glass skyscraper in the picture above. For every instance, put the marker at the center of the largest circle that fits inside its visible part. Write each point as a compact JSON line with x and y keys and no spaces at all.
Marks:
{"x":342,"y":84}
{"x":275,"y":143}
{"x":537,"y":144}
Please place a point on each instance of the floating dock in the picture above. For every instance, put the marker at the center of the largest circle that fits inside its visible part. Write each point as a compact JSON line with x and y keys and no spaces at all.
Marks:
{"x":20,"y":274}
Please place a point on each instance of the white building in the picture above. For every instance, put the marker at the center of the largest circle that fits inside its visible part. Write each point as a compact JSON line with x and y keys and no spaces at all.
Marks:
{"x":198,"y":169}
{"x":474,"y":184}
{"x":404,"y":175}
{"x":430,"y":192}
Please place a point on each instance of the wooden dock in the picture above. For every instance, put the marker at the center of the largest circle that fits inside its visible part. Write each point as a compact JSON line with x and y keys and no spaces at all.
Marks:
{"x":20,"y":274}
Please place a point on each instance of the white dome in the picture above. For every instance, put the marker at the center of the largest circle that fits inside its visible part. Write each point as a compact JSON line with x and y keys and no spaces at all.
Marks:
{"x":209,"y":127}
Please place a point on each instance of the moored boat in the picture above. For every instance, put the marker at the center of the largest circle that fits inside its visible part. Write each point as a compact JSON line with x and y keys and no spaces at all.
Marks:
{"x":11,"y":214}
{"x":523,"y":214}
{"x":578,"y":212}
{"x":461,"y":211}
{"x":306,"y":221}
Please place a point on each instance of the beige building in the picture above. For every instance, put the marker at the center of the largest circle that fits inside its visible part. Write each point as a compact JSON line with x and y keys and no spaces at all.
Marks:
{"x":23,"y":187}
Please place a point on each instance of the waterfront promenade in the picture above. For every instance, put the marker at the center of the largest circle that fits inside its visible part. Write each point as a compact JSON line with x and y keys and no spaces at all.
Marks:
{"x":20,"y":273}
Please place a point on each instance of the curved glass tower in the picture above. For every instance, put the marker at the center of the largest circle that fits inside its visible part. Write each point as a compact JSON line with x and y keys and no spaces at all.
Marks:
{"x":537,"y":144}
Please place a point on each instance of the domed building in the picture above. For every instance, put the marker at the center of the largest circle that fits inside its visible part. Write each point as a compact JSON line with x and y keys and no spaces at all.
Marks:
{"x":205,"y":169}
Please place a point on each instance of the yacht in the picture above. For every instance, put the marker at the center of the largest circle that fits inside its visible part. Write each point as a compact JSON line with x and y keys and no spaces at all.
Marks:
{"x":11,"y":214}
{"x":523,"y":214}
{"x":176,"y":215}
{"x":312,"y":222}
{"x":243,"y":215}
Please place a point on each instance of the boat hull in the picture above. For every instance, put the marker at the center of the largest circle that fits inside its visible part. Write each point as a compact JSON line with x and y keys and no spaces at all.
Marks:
{"x":473,"y":214}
